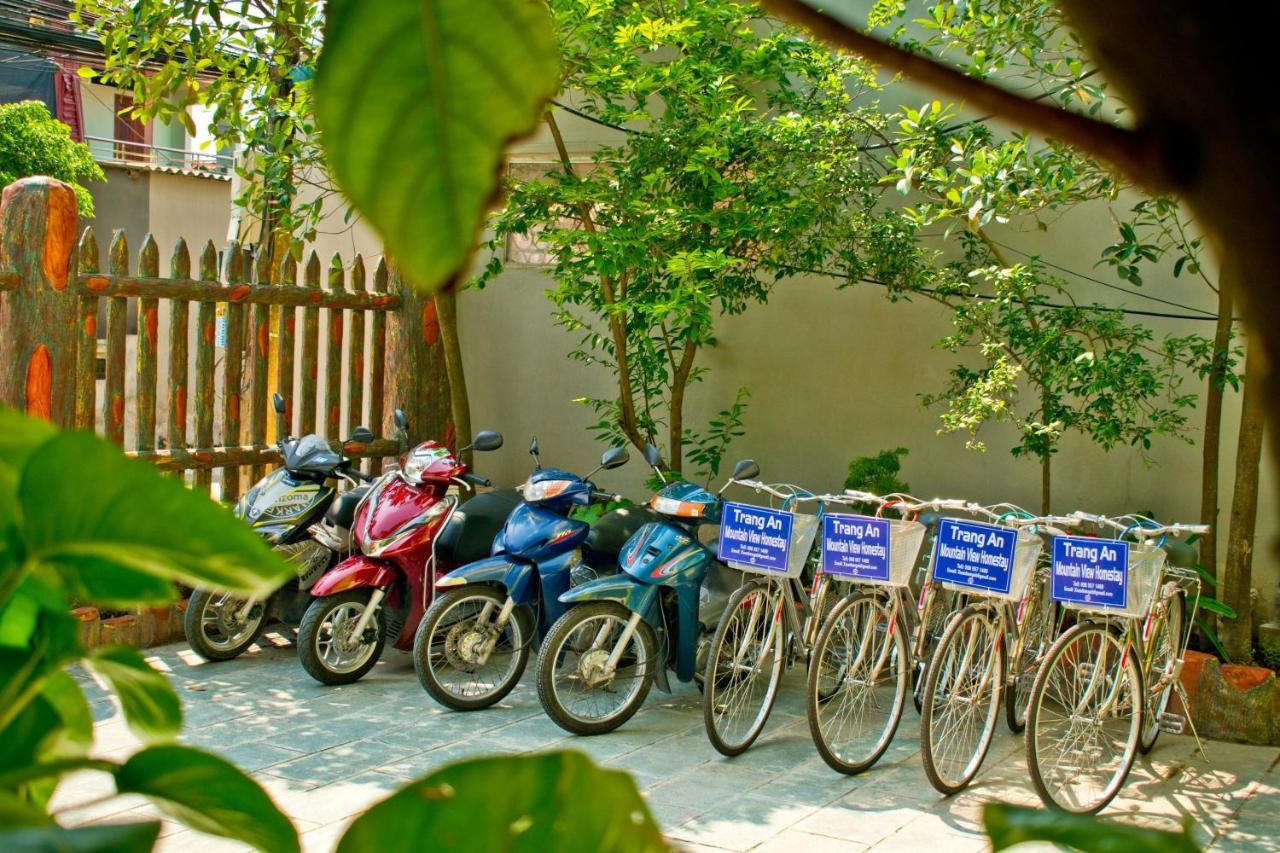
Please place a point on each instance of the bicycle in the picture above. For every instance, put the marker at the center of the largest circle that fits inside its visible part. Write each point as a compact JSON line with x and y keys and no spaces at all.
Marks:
{"x":760,"y":633}
{"x":877,"y":639}
{"x":995,"y":567}
{"x":1100,"y":697}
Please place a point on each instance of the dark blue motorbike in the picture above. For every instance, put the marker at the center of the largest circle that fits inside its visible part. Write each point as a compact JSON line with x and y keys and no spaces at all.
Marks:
{"x":474,"y":640}
{"x":623,"y":632}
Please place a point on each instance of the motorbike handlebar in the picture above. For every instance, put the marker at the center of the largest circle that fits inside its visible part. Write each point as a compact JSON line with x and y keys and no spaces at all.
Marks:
{"x":476,"y":479}
{"x":605,"y":497}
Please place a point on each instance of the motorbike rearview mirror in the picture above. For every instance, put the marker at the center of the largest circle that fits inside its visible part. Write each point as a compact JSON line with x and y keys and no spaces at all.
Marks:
{"x":277,"y":402}
{"x":486,"y":439}
{"x":652,"y":456}
{"x":744,"y":470}
{"x":361,"y":435}
{"x":614,"y":457}
{"x":533,"y":451}
{"x":401,"y":422}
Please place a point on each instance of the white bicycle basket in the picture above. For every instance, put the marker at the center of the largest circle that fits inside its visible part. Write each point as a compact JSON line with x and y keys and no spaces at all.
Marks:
{"x":1146,"y":565}
{"x":804,"y":528}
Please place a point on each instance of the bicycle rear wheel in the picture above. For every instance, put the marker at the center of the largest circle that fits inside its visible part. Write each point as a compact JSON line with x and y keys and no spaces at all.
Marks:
{"x":858,"y":679}
{"x":962,"y":698}
{"x":1166,"y":645}
{"x":1084,"y":719}
{"x":744,"y":668}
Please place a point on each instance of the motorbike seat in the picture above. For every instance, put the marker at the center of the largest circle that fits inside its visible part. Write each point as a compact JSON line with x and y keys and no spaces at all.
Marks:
{"x":343,"y":509}
{"x":1180,"y":554}
{"x":607,"y":536}
{"x":468,"y":535}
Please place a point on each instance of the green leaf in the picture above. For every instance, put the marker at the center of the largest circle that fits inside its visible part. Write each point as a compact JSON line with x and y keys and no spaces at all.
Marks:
{"x":147,"y":700}
{"x":415,"y":101}
{"x":121,"y":516}
{"x":64,"y":695}
{"x":118,"y":838}
{"x":1206,"y":630}
{"x":208,"y":794}
{"x":15,"y":812}
{"x":540,"y":808}
{"x":1221,"y":608}
{"x":1009,"y":825}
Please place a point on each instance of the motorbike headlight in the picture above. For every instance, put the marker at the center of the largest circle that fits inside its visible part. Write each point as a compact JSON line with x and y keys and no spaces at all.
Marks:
{"x":413,"y":468}
{"x":545,"y":489}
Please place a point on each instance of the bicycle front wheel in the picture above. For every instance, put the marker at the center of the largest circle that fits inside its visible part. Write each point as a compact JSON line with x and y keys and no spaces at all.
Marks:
{"x":1084,"y":719}
{"x":962,"y":698}
{"x":744,"y":668}
{"x":858,"y":679}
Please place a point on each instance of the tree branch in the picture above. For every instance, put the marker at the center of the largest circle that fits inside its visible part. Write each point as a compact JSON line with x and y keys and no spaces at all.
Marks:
{"x":1133,"y":151}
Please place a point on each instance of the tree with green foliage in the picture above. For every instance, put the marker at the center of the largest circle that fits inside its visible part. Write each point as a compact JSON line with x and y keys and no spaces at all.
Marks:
{"x":739,"y":167}
{"x":1047,"y":362}
{"x":32,"y":142}
{"x":878,"y":474}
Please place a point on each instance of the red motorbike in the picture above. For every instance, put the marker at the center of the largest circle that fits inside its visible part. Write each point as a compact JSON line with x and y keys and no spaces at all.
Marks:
{"x":408,"y":531}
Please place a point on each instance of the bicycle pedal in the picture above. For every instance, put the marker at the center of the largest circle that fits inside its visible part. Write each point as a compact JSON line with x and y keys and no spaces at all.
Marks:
{"x":1174,"y":724}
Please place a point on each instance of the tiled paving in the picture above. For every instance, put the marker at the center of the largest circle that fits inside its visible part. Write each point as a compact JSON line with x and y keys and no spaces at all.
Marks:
{"x":326,"y":754}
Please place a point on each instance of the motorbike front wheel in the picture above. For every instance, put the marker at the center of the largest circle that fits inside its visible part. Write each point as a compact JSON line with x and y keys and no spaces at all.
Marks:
{"x":216,"y":627}
{"x":327,"y":647}
{"x":462,"y":659}
{"x":574,"y":685}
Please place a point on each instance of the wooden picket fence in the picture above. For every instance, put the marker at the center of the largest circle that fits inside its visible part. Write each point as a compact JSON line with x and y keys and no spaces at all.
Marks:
{"x":49,"y":337}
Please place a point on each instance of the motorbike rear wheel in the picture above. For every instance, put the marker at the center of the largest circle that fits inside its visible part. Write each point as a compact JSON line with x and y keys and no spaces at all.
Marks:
{"x":447,"y":654}
{"x":572,"y":687}
{"x":214,"y":629}
{"x":327,"y":651}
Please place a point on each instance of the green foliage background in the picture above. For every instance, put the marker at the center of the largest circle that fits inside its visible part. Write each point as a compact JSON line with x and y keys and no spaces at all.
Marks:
{"x":32,"y":142}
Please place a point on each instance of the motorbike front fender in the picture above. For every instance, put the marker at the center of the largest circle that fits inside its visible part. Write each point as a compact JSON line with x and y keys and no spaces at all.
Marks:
{"x":513,"y":575}
{"x":638,"y":597}
{"x":354,"y":573}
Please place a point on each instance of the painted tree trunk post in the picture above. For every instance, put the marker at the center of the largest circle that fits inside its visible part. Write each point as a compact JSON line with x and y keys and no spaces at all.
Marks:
{"x":86,"y":380}
{"x":310,"y":350}
{"x":1237,"y":572}
{"x":416,"y":377}
{"x":1212,"y":442}
{"x":459,"y":405}
{"x":38,"y":218}
{"x":117,"y":318}
{"x":355,"y":345}
{"x":207,"y":326}
{"x":378,"y":359}
{"x":147,"y":339}
{"x":287,"y":321}
{"x":333,"y":366}
{"x":236,"y":278}
{"x":179,"y":329}
{"x":259,"y":361}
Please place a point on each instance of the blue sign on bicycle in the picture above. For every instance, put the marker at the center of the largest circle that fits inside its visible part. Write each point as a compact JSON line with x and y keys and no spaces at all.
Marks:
{"x":974,"y":555}
{"x":1090,"y":571}
{"x":855,"y":546}
{"x":755,"y":536}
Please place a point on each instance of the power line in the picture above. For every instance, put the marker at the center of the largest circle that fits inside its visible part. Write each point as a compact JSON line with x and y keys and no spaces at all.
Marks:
{"x":1125,"y":290}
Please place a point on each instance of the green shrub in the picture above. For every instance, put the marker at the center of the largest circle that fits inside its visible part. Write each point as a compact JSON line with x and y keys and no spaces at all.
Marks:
{"x":32,"y":142}
{"x":878,"y":474}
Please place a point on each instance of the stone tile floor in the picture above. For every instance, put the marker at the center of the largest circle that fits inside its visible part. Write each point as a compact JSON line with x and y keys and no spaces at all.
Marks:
{"x":326,"y":754}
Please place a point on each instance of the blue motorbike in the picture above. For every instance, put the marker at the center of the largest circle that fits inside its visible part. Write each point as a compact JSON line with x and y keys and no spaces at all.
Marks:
{"x":600,"y":658}
{"x":474,"y":640}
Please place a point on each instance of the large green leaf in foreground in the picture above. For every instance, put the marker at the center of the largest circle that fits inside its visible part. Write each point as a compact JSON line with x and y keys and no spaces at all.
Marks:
{"x":535,"y":803}
{"x":118,"y":531}
{"x":1011,"y":825}
{"x":416,"y":100}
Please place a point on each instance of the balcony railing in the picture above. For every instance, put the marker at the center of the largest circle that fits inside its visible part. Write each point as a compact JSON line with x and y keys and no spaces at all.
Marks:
{"x":124,"y":152}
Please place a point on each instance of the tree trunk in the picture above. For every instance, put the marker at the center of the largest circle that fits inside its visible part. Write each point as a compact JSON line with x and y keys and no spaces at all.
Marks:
{"x":675,"y":411}
{"x":1235,"y":584}
{"x":415,"y":373}
{"x":1046,"y":471}
{"x":1210,"y":460}
{"x":460,"y":403}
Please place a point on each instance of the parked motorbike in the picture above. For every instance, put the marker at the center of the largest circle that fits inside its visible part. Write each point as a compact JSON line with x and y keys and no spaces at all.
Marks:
{"x":298,"y":510}
{"x":408,"y":530}
{"x":622,"y":633}
{"x":473,"y":644}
